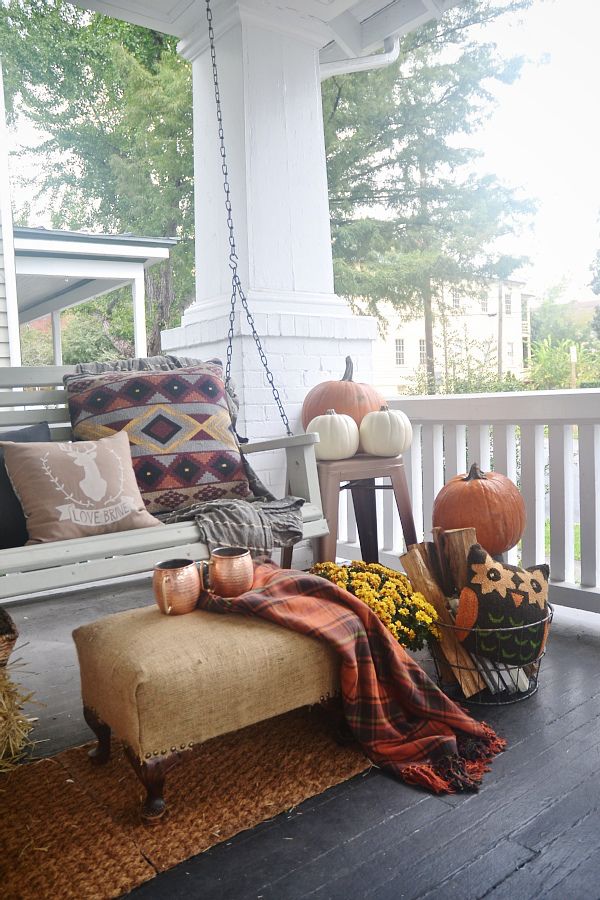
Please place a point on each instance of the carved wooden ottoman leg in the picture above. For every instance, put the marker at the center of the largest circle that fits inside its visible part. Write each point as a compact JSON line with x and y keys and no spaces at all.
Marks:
{"x":152,"y":774}
{"x":99,"y":754}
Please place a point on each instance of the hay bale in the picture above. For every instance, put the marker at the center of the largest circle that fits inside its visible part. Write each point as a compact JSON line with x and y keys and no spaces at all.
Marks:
{"x":8,"y":636}
{"x":15,"y":725}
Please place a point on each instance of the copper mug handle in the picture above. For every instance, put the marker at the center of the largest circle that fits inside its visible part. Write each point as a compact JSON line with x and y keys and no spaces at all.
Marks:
{"x":161,"y":595}
{"x":203,"y":567}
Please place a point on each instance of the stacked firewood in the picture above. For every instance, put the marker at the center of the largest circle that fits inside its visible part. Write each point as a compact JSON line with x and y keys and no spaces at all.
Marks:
{"x":438,"y":569}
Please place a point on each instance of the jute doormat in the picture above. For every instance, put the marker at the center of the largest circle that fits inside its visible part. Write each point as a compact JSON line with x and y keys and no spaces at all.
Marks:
{"x":72,"y":830}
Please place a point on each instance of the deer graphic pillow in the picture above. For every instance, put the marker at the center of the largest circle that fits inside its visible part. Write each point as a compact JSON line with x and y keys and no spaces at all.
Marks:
{"x":70,"y":490}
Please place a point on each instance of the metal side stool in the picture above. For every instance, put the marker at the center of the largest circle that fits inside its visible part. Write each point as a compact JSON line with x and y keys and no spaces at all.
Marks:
{"x":360,"y":472}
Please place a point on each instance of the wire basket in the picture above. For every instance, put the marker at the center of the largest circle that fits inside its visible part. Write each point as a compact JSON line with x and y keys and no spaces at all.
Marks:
{"x":506,"y":678}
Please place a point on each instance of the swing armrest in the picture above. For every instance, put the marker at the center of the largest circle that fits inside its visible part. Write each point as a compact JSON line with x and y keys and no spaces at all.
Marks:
{"x":301,"y":477}
{"x":282,"y":443}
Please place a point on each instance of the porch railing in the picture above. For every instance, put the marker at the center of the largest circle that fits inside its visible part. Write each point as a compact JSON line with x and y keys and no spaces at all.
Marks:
{"x":548,"y":442}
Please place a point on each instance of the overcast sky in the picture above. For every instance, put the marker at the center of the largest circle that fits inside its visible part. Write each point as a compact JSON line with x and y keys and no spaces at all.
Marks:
{"x":545,"y":137}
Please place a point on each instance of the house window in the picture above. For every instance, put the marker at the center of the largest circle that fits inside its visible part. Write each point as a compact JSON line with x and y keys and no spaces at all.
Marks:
{"x":455,"y":299}
{"x":399,"y":351}
{"x":484,"y":304}
{"x":510,"y":350}
{"x":422,"y":352}
{"x":508,"y":303}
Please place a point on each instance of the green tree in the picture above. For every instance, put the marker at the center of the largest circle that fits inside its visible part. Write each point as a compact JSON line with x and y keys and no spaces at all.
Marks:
{"x":595,"y":323}
{"x":397,"y":140}
{"x":551,"y":365}
{"x":115,"y":102}
{"x":595,"y":270}
{"x":556,"y":320}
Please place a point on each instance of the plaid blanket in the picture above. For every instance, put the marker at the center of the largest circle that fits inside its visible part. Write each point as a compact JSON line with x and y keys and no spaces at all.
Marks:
{"x":404,"y":723}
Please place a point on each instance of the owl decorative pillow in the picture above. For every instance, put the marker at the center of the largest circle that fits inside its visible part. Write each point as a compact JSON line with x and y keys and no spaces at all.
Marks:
{"x":498,"y":601}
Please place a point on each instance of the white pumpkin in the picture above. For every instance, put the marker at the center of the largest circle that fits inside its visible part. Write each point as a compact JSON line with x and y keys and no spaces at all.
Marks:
{"x":387,"y":432}
{"x":338,"y":435}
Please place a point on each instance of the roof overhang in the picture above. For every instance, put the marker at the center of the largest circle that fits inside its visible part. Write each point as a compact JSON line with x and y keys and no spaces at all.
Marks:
{"x":349,"y":28}
{"x":59,"y":269}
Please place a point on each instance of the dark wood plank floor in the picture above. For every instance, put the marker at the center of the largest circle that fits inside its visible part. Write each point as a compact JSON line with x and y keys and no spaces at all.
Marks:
{"x":533,"y":831}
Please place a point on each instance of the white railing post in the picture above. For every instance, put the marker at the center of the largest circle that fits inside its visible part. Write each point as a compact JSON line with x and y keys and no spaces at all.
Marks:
{"x":433,"y":469}
{"x":505,"y":461}
{"x":533,"y":490}
{"x":391,"y":521}
{"x":589,"y":503}
{"x":562,"y":556}
{"x":478,"y":446}
{"x":455,"y":450}
{"x":414,"y":476}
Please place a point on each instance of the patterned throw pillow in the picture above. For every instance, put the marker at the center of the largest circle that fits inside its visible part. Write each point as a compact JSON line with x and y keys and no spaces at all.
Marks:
{"x":499,"y":596}
{"x":183,"y":445}
{"x":72,"y":490}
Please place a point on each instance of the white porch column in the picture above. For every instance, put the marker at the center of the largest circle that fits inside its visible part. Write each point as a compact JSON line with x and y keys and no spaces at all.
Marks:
{"x":56,"y":338}
{"x":268,"y":66}
{"x":139,"y":315}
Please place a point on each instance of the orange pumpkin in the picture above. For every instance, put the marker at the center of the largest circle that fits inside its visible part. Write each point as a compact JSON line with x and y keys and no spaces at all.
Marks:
{"x":347,"y":397}
{"x":486,"y":501}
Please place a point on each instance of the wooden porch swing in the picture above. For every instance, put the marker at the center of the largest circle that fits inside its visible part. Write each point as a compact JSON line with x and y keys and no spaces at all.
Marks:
{"x":41,"y":397}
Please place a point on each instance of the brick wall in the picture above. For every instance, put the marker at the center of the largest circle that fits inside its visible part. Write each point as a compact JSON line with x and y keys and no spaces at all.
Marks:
{"x":302,"y":350}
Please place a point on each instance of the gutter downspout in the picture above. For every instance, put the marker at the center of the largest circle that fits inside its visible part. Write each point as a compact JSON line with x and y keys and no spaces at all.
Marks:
{"x":391,"y":52}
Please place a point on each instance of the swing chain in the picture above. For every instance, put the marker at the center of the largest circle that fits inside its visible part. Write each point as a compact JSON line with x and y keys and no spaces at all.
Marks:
{"x":236,"y":285}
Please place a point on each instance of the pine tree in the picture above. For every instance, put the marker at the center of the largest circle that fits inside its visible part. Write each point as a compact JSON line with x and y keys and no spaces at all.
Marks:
{"x":408,"y":214}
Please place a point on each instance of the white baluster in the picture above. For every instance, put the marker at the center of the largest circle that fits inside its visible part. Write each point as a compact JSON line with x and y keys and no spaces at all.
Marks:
{"x":479,"y":446}
{"x":589,"y":503}
{"x":350,"y":519}
{"x":562,"y":556}
{"x":433,"y":469}
{"x":505,"y":450}
{"x":455,"y":451}
{"x":414,"y":476}
{"x":342,"y":534}
{"x":389,"y":536}
{"x":505,"y":461}
{"x":534,"y":493}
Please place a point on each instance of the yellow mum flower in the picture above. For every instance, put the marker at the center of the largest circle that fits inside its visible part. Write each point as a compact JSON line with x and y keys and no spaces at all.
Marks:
{"x":407,"y":615}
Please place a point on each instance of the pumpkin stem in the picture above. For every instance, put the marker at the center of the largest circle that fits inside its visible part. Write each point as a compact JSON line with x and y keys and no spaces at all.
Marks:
{"x":475,"y":474}
{"x":330,"y":412}
{"x":347,"y":376}
{"x":384,"y":408}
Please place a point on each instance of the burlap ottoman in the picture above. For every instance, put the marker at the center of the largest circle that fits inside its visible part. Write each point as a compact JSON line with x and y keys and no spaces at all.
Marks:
{"x":163,"y":684}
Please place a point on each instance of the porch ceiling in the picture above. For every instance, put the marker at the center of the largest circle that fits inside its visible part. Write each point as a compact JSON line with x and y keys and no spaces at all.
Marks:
{"x":350,"y":27}
{"x":59,"y":269}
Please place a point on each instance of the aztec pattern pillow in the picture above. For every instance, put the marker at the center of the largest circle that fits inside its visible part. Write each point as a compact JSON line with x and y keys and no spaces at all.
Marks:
{"x":13,"y":528}
{"x":183,"y":445}
{"x":72,"y":490}
{"x":499,"y":596}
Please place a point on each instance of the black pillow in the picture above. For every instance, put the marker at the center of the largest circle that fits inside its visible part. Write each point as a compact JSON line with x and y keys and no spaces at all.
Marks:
{"x":13,"y":529}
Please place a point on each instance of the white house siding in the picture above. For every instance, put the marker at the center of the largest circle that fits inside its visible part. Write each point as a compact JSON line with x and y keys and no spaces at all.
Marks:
{"x":9,"y":317}
{"x":474,"y":321}
{"x":4,"y":348}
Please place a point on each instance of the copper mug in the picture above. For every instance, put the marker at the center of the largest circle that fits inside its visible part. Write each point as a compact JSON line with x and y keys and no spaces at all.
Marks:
{"x":228,"y":573}
{"x":176,"y":584}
